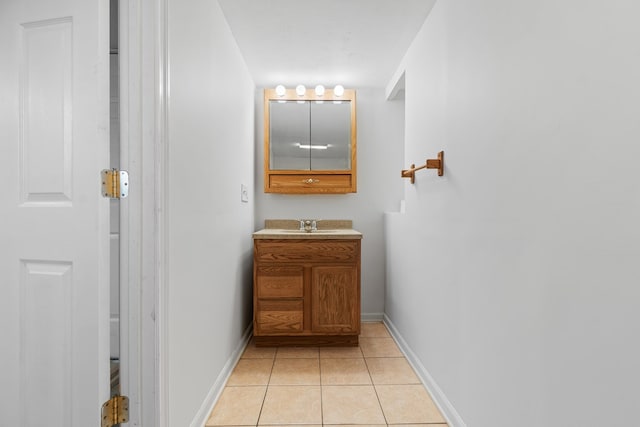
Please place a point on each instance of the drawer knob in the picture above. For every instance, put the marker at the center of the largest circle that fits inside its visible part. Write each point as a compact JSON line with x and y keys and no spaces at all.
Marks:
{"x":310,"y":181}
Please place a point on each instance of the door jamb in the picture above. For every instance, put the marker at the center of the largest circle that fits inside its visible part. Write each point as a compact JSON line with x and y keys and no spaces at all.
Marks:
{"x":129,"y":265}
{"x":143,"y":95}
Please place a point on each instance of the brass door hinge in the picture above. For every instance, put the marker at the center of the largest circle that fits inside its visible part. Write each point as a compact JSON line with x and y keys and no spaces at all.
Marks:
{"x":115,"y":183}
{"x":115,"y":411}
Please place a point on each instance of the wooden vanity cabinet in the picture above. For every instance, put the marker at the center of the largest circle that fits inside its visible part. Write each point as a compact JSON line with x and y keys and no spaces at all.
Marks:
{"x":306,"y":292}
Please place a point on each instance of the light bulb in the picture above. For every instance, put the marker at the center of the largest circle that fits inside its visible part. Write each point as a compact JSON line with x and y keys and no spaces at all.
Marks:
{"x":280,"y":90}
{"x":319,"y":90}
{"x":338,"y":90}
{"x":301,"y":90}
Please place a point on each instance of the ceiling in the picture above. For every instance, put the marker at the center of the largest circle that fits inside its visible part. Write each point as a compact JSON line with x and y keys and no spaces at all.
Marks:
{"x":357,"y":43}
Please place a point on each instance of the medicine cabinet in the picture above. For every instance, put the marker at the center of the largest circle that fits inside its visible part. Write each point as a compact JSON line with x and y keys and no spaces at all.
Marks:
{"x":309,"y":142}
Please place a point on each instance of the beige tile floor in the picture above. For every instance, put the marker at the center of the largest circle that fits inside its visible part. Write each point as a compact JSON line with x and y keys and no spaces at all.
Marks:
{"x":369,"y":385}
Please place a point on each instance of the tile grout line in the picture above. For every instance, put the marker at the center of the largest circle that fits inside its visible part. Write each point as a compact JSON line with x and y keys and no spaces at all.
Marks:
{"x":375,"y":390}
{"x":321,"y":388}
{"x":264,"y":398}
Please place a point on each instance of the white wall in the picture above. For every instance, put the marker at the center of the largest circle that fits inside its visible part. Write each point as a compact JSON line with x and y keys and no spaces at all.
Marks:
{"x":209,"y":229}
{"x":515,"y":278}
{"x":380,"y":132}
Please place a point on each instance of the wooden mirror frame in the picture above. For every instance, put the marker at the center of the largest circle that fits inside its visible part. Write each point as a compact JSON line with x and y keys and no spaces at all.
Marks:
{"x":309,"y":181}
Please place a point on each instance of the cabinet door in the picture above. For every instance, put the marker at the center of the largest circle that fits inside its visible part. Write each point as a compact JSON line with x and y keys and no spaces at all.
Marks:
{"x":335,"y":299}
{"x":289,"y":130}
{"x":330,"y":130}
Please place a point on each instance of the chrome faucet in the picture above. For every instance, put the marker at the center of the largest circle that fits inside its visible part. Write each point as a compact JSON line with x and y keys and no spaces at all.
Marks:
{"x":308,"y":225}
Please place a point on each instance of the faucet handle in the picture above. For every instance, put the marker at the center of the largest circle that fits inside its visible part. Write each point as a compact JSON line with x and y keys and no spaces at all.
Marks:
{"x":302,"y":225}
{"x":314,"y":225}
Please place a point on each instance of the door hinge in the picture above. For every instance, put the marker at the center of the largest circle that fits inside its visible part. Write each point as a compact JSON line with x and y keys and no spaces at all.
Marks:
{"x":115,"y":183}
{"x":115,"y":411}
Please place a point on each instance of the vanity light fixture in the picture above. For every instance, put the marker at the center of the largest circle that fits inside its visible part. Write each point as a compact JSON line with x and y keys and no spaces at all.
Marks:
{"x":320,"y":92}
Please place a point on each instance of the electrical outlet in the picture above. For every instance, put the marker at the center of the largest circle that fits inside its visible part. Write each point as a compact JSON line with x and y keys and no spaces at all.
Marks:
{"x":244,"y":193}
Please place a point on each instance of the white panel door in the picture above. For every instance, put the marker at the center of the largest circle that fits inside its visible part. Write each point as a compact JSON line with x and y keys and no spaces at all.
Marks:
{"x":54,"y":242}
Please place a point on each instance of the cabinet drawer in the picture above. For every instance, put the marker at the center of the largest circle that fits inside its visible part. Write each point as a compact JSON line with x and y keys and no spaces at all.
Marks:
{"x":311,"y":251}
{"x":275,"y":316}
{"x":279,"y":282}
{"x":310,"y":183}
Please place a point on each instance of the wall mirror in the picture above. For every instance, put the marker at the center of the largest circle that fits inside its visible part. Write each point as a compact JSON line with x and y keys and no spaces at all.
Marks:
{"x":310,"y":142}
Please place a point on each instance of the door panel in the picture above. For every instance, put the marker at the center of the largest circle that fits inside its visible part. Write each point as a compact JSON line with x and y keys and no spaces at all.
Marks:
{"x":334,"y":299}
{"x":45,"y":345}
{"x":54,"y":243}
{"x":45,"y":98}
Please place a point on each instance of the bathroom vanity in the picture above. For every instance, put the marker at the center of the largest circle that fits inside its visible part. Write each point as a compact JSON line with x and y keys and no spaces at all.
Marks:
{"x":306,"y":285}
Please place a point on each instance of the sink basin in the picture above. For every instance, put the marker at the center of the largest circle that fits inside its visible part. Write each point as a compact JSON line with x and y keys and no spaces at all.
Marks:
{"x":307,"y":232}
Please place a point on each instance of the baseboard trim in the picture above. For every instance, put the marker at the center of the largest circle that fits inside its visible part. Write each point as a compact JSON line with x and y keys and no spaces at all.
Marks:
{"x":371,"y":317}
{"x":444,"y":405}
{"x":216,"y":389}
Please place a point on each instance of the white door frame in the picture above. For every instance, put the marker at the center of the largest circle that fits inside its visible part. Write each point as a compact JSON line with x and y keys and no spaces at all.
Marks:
{"x":143,"y":95}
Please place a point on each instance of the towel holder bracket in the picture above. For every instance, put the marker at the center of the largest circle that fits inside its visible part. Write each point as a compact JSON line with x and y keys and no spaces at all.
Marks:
{"x":429,"y":164}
